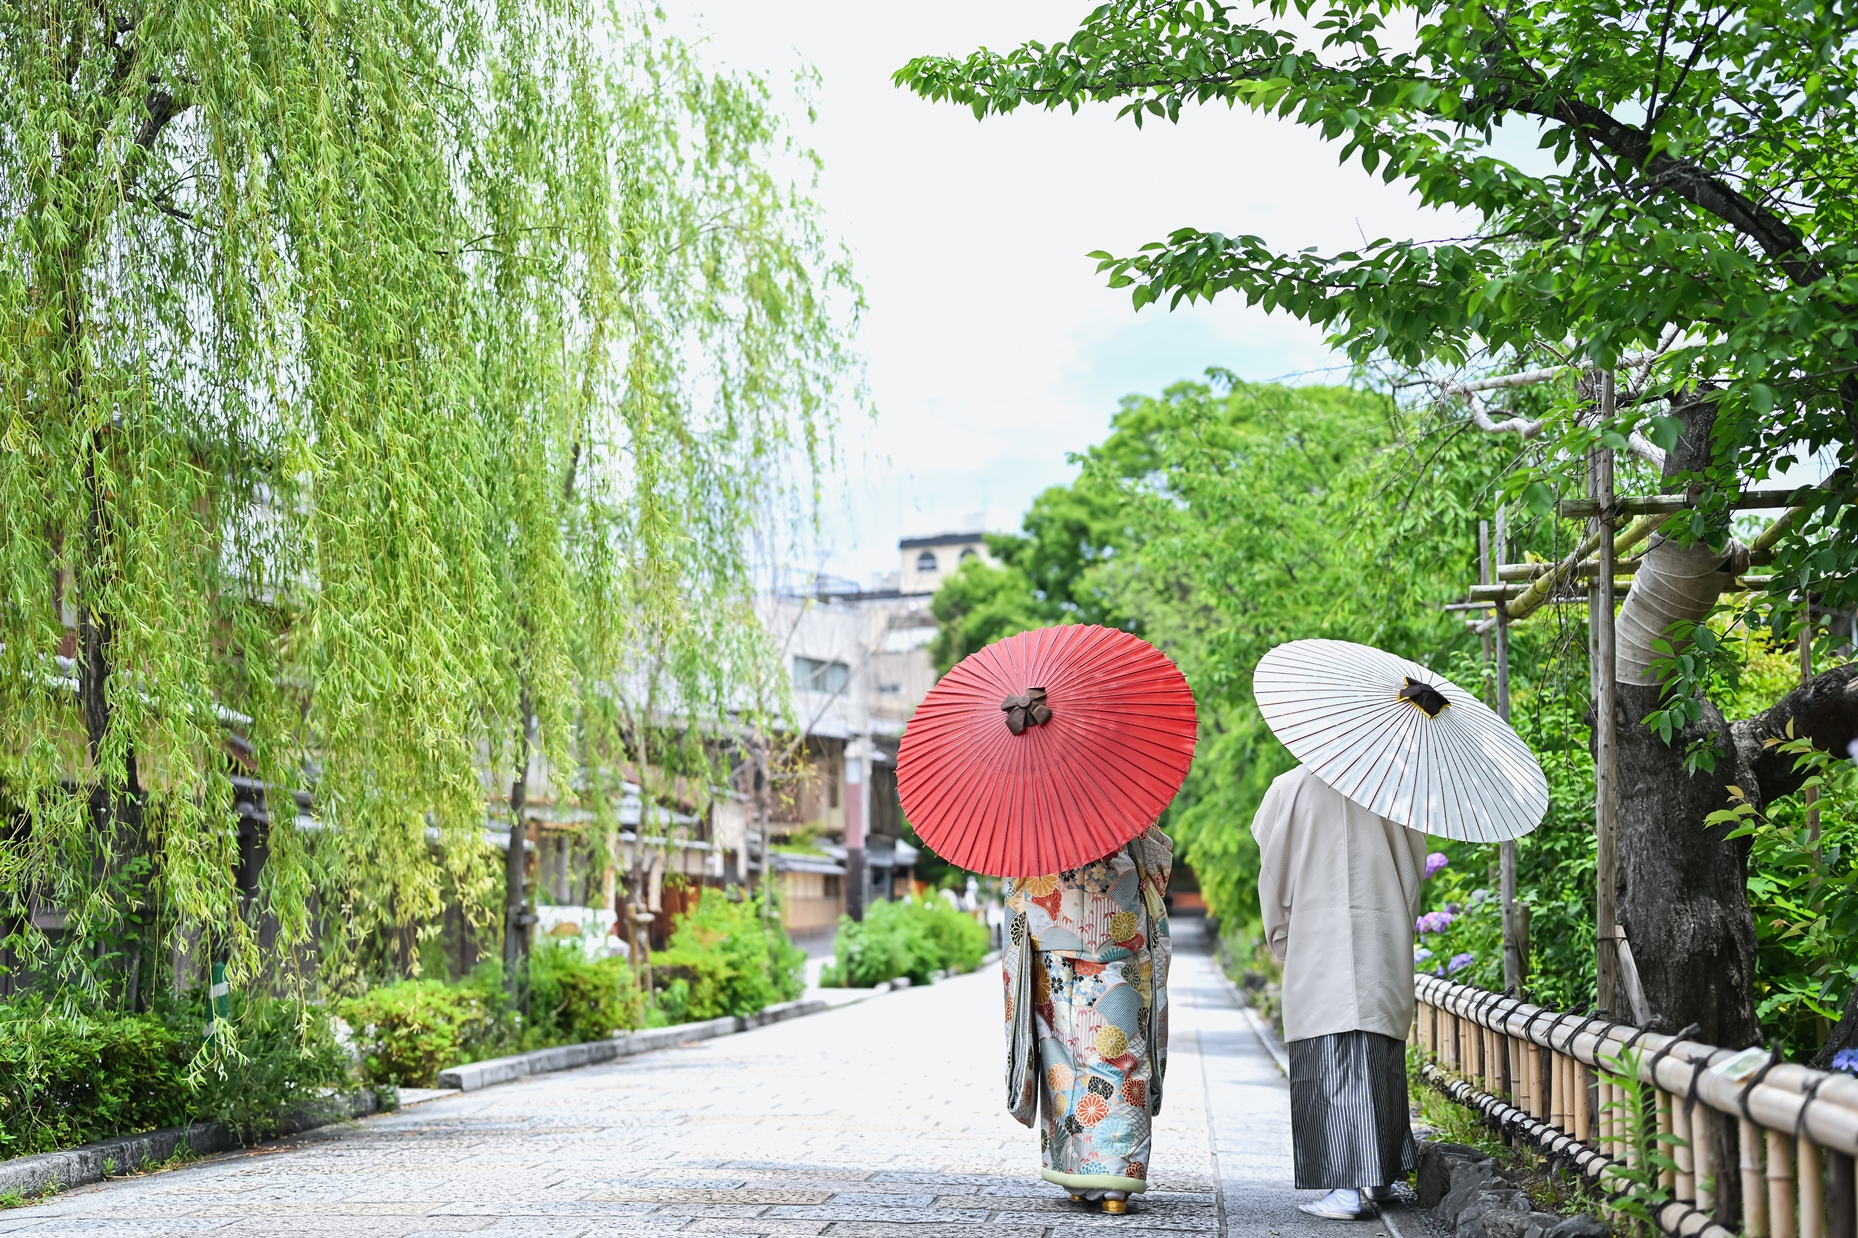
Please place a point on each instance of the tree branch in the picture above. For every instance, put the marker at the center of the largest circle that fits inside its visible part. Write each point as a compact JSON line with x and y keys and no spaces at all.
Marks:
{"x":162,"y":108}
{"x":1773,"y":234}
{"x":1824,"y":710}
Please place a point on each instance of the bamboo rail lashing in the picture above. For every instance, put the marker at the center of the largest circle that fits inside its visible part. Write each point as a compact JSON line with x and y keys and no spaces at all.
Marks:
{"x":1527,"y":1070}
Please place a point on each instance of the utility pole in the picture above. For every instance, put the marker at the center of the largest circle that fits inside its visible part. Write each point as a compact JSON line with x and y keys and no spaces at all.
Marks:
{"x":857,"y":756}
{"x":516,"y":914}
{"x":1606,"y":709}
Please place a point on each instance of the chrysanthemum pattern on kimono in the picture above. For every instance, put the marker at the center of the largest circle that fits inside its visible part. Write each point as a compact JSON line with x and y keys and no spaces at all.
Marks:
{"x":1098,"y":955}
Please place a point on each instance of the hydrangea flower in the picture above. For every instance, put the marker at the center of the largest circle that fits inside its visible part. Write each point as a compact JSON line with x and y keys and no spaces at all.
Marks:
{"x":1846,"y":1059}
{"x":1434,"y":922}
{"x":1420,"y":955}
{"x":1436,"y":862}
{"x":1460,"y":962}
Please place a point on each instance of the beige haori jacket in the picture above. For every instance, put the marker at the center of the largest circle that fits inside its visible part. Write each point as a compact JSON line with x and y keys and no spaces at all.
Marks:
{"x":1338,"y":887}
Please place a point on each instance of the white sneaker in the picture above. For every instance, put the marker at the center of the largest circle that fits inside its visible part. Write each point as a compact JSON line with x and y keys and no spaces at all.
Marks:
{"x":1341,"y":1204}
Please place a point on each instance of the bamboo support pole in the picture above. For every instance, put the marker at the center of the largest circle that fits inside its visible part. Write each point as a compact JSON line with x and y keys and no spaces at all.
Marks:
{"x":1703,"y":1155}
{"x":1841,"y":1198}
{"x":1608,"y":1136}
{"x":1780,"y":1185}
{"x":1667,"y":504}
{"x":1605,"y":698}
{"x":1810,"y":796}
{"x":1754,"y":1188}
{"x":1680,"y":1149}
{"x":1583,"y":1101}
{"x":1538,"y":592}
{"x":1667,"y":1175}
{"x":1515,"y":957}
{"x":1546,"y":1077}
{"x":1812,"y":1187}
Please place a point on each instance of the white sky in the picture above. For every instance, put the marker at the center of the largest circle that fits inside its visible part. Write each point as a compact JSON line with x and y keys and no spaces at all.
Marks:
{"x":993,"y":346}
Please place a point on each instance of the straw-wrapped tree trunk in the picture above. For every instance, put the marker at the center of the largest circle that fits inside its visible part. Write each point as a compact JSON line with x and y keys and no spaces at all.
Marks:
{"x":1682,"y":883}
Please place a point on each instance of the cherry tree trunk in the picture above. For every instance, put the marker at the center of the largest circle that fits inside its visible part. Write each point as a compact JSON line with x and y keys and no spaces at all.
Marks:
{"x":1682,"y":884}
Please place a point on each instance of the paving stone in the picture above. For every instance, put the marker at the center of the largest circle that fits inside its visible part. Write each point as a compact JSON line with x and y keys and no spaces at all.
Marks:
{"x":880,"y":1119}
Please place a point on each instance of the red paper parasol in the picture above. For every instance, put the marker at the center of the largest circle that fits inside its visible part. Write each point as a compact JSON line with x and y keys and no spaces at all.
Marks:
{"x":999,"y":782}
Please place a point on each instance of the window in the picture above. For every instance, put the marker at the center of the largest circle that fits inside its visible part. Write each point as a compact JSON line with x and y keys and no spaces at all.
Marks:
{"x":813,"y":675}
{"x":969,"y":553}
{"x":890,"y":689}
{"x":925,"y":562}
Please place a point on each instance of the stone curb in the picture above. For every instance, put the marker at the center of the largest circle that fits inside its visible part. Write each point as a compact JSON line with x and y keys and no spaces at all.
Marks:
{"x":474,"y":1075}
{"x":93,"y":1162}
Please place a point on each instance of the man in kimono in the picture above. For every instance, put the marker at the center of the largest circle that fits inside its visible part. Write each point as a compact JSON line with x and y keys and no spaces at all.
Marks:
{"x":1338,"y":888}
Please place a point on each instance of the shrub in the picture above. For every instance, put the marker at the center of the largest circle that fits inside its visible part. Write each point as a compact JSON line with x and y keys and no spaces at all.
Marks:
{"x":72,"y":1079}
{"x":66,"y":1081}
{"x":280,"y":1059}
{"x":573,"y":998}
{"x":726,"y":958}
{"x":907,"y":937}
{"x":406,"y":1032}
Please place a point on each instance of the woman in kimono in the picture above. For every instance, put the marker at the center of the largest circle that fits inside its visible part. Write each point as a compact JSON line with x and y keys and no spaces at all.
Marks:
{"x":1086,"y":970}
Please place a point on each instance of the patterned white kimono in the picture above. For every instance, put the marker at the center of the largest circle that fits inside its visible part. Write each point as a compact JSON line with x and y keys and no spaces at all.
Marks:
{"x":1086,"y":972}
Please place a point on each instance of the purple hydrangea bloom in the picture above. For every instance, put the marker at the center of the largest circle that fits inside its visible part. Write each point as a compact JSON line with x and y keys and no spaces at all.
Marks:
{"x":1460,"y":962}
{"x":1436,"y":862}
{"x":1846,"y":1059}
{"x":1434,"y":922}
{"x":1420,"y":955}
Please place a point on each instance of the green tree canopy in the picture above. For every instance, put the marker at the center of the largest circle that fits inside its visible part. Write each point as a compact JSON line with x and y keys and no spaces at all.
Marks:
{"x":1692,"y":199}
{"x":1220,"y":519}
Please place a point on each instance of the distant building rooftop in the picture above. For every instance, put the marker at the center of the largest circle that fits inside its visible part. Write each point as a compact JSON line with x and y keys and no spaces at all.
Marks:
{"x":939,"y":539}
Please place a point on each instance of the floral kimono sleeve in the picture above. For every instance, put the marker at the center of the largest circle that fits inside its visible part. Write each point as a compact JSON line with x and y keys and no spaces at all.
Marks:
{"x":1022,"y":1067}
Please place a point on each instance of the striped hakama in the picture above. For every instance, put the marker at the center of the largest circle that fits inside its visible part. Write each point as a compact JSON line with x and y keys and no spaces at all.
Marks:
{"x":1349,"y":1123}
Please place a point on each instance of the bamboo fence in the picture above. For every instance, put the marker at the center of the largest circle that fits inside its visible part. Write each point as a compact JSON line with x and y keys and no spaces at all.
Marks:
{"x":1642,"y":1115}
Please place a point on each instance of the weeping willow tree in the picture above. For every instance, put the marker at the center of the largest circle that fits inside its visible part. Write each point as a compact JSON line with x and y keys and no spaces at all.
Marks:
{"x":386,"y":386}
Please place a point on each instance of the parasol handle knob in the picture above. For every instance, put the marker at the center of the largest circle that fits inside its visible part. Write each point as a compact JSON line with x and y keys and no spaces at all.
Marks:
{"x":1423,"y":696}
{"x":1026,"y":709}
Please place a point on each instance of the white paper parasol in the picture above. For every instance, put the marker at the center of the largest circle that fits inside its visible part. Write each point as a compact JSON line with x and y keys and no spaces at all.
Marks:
{"x":1401,"y":740}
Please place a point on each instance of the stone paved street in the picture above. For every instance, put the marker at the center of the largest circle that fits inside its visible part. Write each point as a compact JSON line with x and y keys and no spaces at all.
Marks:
{"x":879,"y":1118}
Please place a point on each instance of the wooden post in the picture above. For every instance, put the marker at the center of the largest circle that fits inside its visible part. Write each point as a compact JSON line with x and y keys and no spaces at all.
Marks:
{"x":1605,"y":698}
{"x":1515,"y":946}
